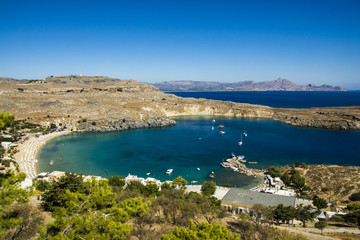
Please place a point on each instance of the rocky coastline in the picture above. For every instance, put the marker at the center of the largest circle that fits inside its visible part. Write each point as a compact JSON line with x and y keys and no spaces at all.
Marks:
{"x":120,"y":125}
{"x":97,"y":103}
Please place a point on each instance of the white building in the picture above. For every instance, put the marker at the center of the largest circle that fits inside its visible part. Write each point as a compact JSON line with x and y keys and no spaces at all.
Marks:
{"x":6,"y":145}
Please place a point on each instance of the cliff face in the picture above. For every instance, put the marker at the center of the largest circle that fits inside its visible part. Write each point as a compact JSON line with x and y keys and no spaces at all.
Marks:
{"x":98,"y":103}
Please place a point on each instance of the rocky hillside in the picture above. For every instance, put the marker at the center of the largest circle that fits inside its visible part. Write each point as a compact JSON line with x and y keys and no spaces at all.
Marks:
{"x":279,"y":84}
{"x":331,"y":181}
{"x":99,"y":103}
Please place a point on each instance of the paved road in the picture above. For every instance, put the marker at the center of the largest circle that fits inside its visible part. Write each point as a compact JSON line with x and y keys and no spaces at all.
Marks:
{"x":306,"y":233}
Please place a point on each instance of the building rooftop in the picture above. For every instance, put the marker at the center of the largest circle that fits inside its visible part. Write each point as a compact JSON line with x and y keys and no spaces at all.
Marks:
{"x":43,"y":174}
{"x":247,"y":198}
{"x":219,"y":193}
{"x":56,"y":173}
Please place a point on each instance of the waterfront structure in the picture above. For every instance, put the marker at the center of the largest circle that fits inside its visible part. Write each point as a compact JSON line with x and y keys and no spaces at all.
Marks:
{"x":134,"y":178}
{"x":90,"y":178}
{"x":143,"y":181}
{"x":55,"y":175}
{"x":150,"y":180}
{"x":239,"y":200}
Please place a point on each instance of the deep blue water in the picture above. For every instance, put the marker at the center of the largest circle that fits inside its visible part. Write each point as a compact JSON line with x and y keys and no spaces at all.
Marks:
{"x":282,"y":99}
{"x":193,"y":144}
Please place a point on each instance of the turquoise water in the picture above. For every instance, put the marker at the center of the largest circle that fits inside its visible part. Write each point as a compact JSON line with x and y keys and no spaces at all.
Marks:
{"x":193,"y":144}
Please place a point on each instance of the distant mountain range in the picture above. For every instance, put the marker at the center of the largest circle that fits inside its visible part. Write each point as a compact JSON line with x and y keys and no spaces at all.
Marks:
{"x":279,"y":84}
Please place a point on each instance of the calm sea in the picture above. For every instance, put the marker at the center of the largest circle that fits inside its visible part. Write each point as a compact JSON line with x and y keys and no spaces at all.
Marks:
{"x":192,"y":144}
{"x":282,"y":99}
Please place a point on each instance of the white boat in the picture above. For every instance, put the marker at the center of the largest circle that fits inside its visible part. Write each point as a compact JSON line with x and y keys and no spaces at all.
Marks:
{"x":240,"y":157}
{"x":226,"y":165}
{"x":213,"y":120}
{"x":221,"y":132}
{"x":212,"y":172}
{"x":245,"y":134}
{"x":51,"y":162}
{"x":241,"y":141}
{"x":194,"y":182}
{"x":147,"y":174}
{"x":198,"y":169}
{"x":169,"y":171}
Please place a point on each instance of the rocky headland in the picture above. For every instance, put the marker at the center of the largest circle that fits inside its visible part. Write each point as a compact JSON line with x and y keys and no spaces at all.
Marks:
{"x":98,"y":103}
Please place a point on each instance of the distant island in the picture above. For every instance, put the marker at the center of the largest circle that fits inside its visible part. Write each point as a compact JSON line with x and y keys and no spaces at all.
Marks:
{"x":279,"y":84}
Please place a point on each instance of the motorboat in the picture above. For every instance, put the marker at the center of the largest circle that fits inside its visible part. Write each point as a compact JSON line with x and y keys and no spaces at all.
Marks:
{"x":198,"y":169}
{"x":51,"y":162}
{"x":221,"y":132}
{"x":169,"y":171}
{"x":147,"y":174}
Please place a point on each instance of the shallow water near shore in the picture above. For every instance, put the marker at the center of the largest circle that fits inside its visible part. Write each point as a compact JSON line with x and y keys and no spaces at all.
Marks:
{"x":192,"y":144}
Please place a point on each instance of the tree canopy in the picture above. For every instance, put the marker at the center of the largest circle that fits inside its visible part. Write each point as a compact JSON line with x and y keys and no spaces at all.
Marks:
{"x":6,"y":119}
{"x":321,"y":225}
{"x":92,"y":213}
{"x":179,"y":181}
{"x":55,"y":195}
{"x":208,"y":188}
{"x":275,"y":171}
{"x":284,"y":214}
{"x":306,"y":213}
{"x":201,"y":231}
{"x":12,"y":197}
{"x":320,"y":203}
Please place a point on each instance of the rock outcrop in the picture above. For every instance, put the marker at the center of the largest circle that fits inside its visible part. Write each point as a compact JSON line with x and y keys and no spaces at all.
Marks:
{"x":83,"y":103}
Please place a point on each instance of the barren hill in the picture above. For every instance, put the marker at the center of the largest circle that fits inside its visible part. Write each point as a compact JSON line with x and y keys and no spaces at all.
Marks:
{"x":333,"y":182}
{"x":98,"y":103}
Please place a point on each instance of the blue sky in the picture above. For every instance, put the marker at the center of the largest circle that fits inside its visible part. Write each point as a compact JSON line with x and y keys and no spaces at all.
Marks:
{"x":305,"y":41}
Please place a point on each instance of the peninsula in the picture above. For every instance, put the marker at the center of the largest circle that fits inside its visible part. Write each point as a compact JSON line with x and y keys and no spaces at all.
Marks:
{"x":98,"y":103}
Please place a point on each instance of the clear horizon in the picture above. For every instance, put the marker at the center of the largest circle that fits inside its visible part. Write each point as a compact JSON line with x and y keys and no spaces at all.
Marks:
{"x":306,"y":42}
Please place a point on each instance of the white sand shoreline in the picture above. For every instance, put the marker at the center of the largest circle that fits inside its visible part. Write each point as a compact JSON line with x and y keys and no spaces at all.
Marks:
{"x":26,"y":157}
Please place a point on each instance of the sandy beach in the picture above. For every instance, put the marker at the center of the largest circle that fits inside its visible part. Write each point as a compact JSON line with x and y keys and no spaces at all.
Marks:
{"x":28,"y":150}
